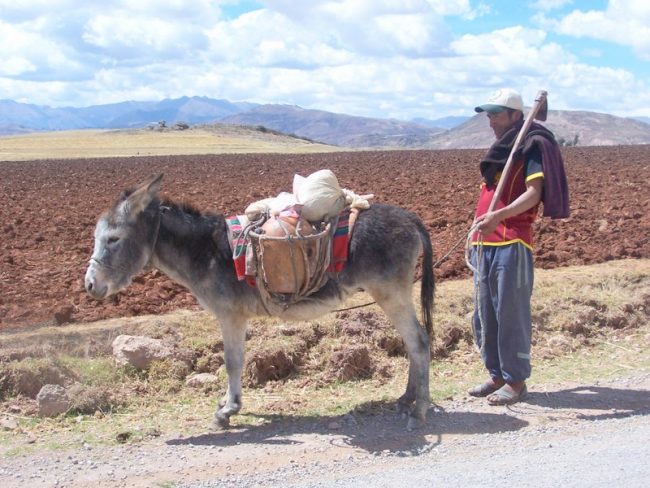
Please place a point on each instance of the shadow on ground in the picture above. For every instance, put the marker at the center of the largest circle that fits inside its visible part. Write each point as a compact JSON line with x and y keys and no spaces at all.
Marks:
{"x":377,"y":427}
{"x":594,"y":402}
{"x":373,"y":427}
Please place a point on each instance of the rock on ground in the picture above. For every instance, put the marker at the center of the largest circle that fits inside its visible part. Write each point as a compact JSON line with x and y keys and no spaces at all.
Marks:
{"x":52,"y":401}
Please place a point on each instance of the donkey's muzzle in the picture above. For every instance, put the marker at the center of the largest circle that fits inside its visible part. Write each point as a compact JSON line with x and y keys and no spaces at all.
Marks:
{"x":93,"y":288}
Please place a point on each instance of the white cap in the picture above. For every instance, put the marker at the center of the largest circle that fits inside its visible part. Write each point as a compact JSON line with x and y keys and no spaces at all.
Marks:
{"x":500,"y":99}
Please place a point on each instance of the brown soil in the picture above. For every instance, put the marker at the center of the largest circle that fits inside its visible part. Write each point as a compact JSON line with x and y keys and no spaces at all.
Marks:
{"x":48,"y":210}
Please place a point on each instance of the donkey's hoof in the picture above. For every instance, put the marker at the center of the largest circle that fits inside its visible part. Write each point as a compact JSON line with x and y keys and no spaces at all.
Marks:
{"x":403,"y":408}
{"x":414,"y":423}
{"x":221,"y":421}
{"x":405,"y":403}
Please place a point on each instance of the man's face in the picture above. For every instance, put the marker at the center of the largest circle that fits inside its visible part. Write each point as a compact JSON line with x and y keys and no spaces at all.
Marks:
{"x":500,"y":122}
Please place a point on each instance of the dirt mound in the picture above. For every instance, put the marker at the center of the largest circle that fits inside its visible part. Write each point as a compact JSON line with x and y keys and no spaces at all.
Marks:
{"x":48,"y":210}
{"x":262,"y":367}
{"x":27,"y":381}
{"x":350,"y":363}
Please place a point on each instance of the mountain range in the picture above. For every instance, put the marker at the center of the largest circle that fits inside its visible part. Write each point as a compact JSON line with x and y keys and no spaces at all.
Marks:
{"x":22,"y":117}
{"x":570,"y":127}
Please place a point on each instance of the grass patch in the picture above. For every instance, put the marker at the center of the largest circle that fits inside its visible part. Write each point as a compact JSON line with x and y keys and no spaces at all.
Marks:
{"x":589,"y":323}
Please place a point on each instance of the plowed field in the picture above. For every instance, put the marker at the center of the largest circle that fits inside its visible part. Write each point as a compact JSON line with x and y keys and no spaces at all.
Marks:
{"x":48,"y":211}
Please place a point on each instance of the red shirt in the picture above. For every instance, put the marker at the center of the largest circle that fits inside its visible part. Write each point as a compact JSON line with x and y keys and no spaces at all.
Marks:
{"x":520,"y":227}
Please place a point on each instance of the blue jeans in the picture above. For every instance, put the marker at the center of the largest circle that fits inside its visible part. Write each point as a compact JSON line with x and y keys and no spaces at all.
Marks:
{"x":502,"y":320}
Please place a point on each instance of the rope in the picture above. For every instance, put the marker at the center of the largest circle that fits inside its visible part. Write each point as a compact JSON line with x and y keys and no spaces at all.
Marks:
{"x":435,"y":265}
{"x":479,"y":256}
{"x":477,"y":272}
{"x":467,"y":239}
{"x":244,"y":233}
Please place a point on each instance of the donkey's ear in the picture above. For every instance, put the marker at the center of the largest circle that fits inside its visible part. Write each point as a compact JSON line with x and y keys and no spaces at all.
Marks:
{"x":153,"y":184}
{"x":142,"y":196}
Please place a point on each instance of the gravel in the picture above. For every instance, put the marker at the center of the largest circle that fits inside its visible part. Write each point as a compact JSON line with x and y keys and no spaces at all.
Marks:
{"x":568,"y":435}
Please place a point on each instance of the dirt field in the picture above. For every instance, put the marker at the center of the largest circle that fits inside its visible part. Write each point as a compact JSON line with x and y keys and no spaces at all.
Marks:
{"x":48,"y":211}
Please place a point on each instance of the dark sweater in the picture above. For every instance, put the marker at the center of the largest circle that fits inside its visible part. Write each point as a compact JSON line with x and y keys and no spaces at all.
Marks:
{"x":555,"y":195}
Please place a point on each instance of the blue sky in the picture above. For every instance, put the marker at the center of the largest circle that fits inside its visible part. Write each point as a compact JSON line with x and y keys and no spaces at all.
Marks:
{"x":378,"y":58}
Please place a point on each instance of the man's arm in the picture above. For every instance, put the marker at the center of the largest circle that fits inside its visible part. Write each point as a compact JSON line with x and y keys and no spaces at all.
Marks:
{"x":488,"y":222}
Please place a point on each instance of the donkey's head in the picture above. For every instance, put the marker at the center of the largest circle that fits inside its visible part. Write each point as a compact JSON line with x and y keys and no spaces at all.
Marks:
{"x":125,"y":238}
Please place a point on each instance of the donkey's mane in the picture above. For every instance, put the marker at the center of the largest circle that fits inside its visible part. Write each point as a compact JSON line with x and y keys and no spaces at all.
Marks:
{"x":186,"y":208}
{"x":183,"y":207}
{"x":200,"y":224}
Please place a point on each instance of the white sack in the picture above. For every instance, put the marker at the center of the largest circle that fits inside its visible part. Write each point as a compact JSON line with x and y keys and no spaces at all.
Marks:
{"x":273,"y":206}
{"x":319,"y":194}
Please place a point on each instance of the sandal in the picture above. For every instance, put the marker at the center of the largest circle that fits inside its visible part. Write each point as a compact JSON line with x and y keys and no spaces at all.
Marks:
{"x":507,"y":396}
{"x":483,"y":390}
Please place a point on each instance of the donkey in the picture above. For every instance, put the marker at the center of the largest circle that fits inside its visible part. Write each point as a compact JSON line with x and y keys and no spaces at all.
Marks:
{"x":192,"y":248}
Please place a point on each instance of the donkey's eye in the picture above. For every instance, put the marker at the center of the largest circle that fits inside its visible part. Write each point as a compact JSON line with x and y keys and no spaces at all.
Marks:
{"x":112,"y":240}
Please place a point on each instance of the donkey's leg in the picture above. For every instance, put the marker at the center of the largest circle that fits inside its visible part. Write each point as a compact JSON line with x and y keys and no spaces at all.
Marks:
{"x":405,"y":402}
{"x":234,"y":336}
{"x":397,"y":302}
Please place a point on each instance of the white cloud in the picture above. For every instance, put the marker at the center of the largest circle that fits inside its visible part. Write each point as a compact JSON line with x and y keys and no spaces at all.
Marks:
{"x":268,"y":39}
{"x":179,"y":9}
{"x":548,"y":5}
{"x":523,"y":59}
{"x":584,"y":87}
{"x":515,"y":51}
{"x":15,"y":65}
{"x":28,"y":54}
{"x":25,"y":10}
{"x":380,"y":58}
{"x":372,"y":27}
{"x":124,"y":34}
{"x":623,"y":22}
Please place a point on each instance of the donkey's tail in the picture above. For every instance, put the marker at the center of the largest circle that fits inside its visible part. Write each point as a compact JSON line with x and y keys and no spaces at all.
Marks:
{"x":428,"y":281}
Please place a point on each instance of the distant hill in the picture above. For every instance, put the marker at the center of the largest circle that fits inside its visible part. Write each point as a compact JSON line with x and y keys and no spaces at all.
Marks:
{"x":13,"y":129}
{"x":588,"y":128}
{"x":336,"y":129}
{"x":192,"y":110}
{"x":643,"y":119}
{"x":444,"y":123}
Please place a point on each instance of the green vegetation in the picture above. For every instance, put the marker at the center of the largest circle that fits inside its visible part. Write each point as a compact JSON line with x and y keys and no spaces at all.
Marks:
{"x":590,"y":323}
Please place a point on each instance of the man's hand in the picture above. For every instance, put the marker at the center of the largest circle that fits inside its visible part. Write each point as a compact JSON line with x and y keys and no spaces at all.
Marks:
{"x":487,"y":223}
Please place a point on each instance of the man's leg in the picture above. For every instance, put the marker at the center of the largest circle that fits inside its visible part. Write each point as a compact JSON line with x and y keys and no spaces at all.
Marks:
{"x":484,"y":322}
{"x":514,"y":290}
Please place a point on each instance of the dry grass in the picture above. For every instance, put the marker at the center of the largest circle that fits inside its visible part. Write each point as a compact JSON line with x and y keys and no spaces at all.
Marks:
{"x":217,"y":139}
{"x":589,"y":322}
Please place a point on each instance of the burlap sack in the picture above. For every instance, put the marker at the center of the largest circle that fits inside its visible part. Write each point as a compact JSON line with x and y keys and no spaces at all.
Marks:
{"x":320,"y":195}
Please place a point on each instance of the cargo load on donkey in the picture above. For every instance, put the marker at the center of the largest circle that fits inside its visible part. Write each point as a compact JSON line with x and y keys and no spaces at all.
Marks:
{"x":290,"y":245}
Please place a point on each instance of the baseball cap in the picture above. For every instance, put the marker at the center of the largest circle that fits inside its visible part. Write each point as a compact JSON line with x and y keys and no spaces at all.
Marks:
{"x":501,"y":99}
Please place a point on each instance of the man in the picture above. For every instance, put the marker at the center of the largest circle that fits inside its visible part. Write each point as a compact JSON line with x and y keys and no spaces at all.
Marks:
{"x":503,"y":244}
